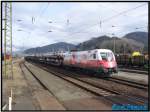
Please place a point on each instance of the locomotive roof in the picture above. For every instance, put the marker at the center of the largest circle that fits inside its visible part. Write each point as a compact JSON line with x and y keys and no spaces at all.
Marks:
{"x":103,"y":50}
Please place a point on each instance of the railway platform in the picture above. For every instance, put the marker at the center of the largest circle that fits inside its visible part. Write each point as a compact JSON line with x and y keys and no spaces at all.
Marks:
{"x":27,"y":93}
{"x":21,"y":95}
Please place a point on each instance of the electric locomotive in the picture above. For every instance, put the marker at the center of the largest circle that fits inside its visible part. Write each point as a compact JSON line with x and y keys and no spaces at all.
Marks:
{"x":99,"y":60}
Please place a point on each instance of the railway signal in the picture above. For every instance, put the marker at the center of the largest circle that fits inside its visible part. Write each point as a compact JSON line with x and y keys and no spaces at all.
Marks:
{"x":114,"y":43}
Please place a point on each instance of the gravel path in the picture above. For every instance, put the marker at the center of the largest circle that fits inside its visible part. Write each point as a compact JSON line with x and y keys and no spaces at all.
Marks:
{"x":21,"y":96}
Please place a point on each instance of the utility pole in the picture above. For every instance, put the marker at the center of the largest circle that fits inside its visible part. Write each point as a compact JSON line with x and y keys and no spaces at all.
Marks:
{"x":8,"y":65}
{"x":68,"y":22}
{"x":100,"y":24}
{"x":124,"y":48}
{"x":68,"y":49}
{"x":114,"y":41}
{"x":114,"y":45}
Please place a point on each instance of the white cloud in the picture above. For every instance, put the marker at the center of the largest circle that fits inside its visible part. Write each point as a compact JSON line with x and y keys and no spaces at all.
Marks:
{"x":84,"y":19}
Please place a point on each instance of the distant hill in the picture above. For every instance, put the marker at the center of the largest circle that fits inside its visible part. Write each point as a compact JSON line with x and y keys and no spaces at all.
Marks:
{"x":135,"y":41}
{"x":61,"y":46}
{"x":138,"y":36}
{"x":129,"y":43}
{"x":141,"y":37}
{"x":93,"y":43}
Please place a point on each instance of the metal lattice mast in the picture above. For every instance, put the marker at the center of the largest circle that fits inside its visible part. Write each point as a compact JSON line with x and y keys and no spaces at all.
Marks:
{"x":8,"y":65}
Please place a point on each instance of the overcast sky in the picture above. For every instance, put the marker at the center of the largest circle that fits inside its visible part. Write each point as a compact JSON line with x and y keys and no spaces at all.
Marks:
{"x":74,"y":22}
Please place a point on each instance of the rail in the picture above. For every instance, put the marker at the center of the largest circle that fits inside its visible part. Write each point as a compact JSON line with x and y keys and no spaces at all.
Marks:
{"x":77,"y":81}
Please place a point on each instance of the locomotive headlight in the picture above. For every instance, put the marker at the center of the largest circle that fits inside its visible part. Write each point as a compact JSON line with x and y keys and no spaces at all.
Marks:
{"x":109,"y":58}
{"x":110,"y":64}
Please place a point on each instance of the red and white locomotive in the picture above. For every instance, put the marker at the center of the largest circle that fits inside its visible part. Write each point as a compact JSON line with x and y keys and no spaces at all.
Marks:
{"x":99,"y":60}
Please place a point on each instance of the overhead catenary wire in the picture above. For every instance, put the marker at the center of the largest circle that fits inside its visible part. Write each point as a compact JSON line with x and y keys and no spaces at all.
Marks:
{"x":43,"y":11}
{"x":123,"y":12}
{"x":40,"y":14}
{"x":110,"y":18}
{"x":105,"y":33}
{"x":102,"y":21}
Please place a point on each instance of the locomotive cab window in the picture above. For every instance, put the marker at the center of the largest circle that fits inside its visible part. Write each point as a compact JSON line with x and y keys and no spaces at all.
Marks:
{"x":106,"y":56}
{"x":94,"y":56}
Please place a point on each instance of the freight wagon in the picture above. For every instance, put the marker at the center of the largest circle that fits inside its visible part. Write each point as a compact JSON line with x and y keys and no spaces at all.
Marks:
{"x":128,"y":60}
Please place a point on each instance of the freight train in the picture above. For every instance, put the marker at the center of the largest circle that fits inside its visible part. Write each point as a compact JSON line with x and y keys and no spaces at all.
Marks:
{"x":101,"y":61}
{"x":130,"y":61}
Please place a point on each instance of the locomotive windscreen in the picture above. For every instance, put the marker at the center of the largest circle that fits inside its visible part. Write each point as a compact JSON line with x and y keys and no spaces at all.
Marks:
{"x":108,"y":56}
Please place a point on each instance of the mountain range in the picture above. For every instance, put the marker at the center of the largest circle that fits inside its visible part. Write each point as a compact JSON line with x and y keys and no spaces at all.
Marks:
{"x":135,"y":41}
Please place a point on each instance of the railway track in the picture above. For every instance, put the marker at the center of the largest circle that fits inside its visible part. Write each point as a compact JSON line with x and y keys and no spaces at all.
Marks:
{"x":95,"y":89}
{"x":129,"y":83}
{"x":95,"y":82}
{"x":133,"y":67}
{"x":144,"y":72}
{"x":122,"y":81}
{"x":113,"y":79}
{"x":21,"y":67}
{"x":119,"y":81}
{"x":40,"y":82}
